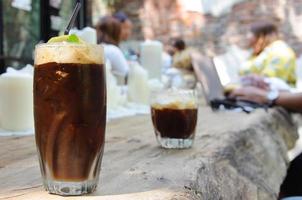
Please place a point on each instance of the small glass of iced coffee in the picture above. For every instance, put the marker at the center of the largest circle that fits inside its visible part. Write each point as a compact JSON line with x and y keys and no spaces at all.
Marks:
{"x":174,"y":116}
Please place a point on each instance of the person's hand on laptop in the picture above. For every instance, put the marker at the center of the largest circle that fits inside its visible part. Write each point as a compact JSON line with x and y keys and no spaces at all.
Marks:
{"x":250,"y":93}
{"x":255,"y":81}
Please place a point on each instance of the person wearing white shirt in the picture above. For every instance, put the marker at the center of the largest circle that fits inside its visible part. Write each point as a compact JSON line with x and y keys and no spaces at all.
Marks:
{"x":117,"y":59}
{"x":108,"y":34}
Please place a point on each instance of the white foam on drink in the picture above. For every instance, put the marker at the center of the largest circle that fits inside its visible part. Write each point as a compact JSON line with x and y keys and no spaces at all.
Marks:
{"x":172,"y":100}
{"x":64,"y":52}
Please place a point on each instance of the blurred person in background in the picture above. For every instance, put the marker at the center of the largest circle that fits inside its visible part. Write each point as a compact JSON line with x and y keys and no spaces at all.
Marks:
{"x":126,"y":25}
{"x":271,"y":56}
{"x":126,"y":31}
{"x":109,"y":35}
{"x":182,"y":60}
{"x":181,"y":55}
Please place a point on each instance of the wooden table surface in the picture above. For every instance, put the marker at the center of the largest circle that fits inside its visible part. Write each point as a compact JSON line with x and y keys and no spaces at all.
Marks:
{"x":135,"y":167}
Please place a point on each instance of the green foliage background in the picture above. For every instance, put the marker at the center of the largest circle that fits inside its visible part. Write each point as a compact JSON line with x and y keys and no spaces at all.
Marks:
{"x":21,"y":31}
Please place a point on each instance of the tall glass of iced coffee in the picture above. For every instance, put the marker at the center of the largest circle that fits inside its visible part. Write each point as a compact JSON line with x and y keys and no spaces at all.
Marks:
{"x":174,"y":116}
{"x":70,"y":115}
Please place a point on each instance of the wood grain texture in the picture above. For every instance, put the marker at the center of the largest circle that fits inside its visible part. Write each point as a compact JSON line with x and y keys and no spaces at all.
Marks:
{"x":235,"y":156}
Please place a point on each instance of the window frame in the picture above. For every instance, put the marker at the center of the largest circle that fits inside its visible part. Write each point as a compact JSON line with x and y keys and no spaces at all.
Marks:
{"x":45,"y":25}
{"x":2,"y":60}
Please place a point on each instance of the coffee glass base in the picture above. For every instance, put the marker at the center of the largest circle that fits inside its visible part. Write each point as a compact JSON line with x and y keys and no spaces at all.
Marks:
{"x":175,"y":143}
{"x":70,"y":188}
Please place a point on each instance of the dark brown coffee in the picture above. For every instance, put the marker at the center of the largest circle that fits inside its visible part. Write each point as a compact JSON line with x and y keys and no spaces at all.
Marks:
{"x":70,"y":119}
{"x":173,"y":122}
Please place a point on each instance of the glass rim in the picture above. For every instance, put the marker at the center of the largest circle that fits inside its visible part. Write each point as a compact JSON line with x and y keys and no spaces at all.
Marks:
{"x":174,"y":91}
{"x":68,"y":44}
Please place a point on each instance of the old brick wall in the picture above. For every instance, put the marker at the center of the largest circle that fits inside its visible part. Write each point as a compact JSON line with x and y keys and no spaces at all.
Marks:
{"x":165,"y":19}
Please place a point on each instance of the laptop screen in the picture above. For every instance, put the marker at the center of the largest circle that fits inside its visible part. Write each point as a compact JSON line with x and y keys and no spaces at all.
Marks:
{"x":208,"y":77}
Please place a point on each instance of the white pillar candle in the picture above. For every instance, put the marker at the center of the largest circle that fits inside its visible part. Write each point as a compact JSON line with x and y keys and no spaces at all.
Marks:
{"x":138,"y":89}
{"x":16,"y":102}
{"x":151,"y":58}
{"x":114,"y":95}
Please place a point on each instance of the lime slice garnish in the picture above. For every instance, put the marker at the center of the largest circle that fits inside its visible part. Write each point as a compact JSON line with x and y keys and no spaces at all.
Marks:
{"x":58,"y":39}
{"x":73,"y":38}
{"x":66,"y":38}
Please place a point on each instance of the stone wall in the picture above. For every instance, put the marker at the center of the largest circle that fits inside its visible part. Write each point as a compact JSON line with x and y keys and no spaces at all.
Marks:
{"x":168,"y":18}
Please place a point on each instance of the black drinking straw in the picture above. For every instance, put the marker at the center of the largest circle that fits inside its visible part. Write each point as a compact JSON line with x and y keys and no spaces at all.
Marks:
{"x":72,"y":18}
